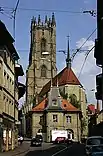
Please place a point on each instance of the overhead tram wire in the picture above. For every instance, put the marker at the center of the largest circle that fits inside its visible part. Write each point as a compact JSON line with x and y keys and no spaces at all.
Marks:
{"x":85,"y":60}
{"x":83,"y":44}
{"x":83,"y":64}
{"x":5,"y":13}
{"x":49,"y":10}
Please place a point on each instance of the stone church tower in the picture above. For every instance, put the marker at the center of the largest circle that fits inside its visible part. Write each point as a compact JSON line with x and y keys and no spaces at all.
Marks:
{"x":42,"y":57}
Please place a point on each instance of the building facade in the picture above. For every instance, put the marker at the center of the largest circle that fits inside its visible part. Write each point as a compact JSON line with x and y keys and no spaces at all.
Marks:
{"x":56,"y":113}
{"x":9,"y":91}
{"x":41,"y":72}
{"x":69,"y":85}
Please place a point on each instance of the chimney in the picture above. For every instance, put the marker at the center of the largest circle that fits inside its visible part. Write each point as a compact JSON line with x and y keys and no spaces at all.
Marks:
{"x":98,"y":106}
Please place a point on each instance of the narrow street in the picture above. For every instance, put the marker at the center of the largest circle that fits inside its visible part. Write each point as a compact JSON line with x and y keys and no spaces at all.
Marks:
{"x":58,"y":150}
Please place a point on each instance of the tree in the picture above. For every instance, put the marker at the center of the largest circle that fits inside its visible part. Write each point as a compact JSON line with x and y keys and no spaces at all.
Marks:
{"x":65,"y":96}
{"x":74,"y":101}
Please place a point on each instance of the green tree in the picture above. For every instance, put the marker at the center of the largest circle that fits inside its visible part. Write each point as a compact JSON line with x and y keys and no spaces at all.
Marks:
{"x":74,"y":101}
{"x":65,"y":96}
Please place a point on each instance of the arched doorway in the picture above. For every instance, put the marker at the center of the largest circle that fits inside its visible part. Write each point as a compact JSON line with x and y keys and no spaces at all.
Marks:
{"x":70,"y":133}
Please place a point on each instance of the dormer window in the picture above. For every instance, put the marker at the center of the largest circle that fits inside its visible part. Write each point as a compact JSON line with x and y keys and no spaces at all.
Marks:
{"x":54,"y":102}
{"x":65,"y":105}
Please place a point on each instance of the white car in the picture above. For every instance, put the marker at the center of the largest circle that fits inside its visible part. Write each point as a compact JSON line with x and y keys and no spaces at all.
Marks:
{"x":91,"y":142}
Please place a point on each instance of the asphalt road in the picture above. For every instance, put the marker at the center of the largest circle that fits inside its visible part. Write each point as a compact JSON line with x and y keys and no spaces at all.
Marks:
{"x":58,"y":150}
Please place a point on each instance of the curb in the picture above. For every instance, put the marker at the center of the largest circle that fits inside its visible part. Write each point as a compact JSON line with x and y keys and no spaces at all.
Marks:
{"x":21,"y":152}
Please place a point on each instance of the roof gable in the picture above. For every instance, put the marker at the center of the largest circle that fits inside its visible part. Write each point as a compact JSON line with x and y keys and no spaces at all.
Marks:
{"x":66,"y":76}
{"x":54,"y":99}
{"x":66,"y":106}
{"x":41,"y":106}
{"x":91,"y":108}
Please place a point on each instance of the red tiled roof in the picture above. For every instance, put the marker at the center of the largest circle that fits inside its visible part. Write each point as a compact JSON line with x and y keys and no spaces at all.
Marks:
{"x":65,"y":105}
{"x":68,"y":106}
{"x":40,"y":106}
{"x":91,"y":107}
{"x":66,"y":76}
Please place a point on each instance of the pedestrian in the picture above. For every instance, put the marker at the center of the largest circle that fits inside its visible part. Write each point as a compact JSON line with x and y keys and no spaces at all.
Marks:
{"x":21,"y":139}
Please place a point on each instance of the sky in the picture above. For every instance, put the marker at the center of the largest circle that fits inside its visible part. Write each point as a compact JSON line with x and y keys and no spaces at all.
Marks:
{"x":70,"y":20}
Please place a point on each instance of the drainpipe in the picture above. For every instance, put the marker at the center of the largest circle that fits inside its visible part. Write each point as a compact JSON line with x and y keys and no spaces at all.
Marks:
{"x":77,"y":128}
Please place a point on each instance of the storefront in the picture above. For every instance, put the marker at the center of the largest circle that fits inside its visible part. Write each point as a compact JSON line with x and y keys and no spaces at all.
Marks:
{"x":10,"y":134}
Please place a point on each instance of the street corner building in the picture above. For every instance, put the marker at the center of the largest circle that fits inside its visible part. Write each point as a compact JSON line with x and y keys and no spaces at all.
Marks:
{"x":56,"y":113}
{"x":10,"y":70}
{"x":47,"y":92}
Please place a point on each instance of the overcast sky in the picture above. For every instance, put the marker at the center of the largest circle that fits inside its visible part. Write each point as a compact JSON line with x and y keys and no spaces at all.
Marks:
{"x":73,"y":23}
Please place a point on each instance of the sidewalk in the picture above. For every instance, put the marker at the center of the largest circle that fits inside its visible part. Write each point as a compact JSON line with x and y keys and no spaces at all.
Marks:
{"x":19,"y":150}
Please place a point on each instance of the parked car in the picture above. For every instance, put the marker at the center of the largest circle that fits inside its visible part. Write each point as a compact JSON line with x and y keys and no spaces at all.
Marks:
{"x":60,"y":140}
{"x":39,"y":137}
{"x":69,"y":141}
{"x":91,"y":142}
{"x":36,"y":142}
{"x":96,"y":151}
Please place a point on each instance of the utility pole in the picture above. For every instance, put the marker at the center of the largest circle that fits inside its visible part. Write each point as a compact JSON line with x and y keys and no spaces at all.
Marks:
{"x":13,"y":56}
{"x":14,"y":17}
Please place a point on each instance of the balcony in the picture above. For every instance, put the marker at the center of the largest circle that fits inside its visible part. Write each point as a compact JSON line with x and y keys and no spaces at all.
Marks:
{"x":19,"y":70}
{"x":21,"y":88}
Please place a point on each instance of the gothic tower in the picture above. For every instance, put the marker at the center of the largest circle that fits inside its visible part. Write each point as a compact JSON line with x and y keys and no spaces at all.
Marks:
{"x":42,"y":57}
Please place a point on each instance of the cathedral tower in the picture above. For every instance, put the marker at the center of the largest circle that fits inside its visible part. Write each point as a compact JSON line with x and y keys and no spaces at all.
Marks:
{"x":42,"y":57}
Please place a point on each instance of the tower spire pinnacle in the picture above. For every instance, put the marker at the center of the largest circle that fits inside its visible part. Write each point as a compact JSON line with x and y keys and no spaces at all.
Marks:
{"x":46,"y":19}
{"x":39,"y":20}
{"x":68,"y":60}
{"x":53,"y":20}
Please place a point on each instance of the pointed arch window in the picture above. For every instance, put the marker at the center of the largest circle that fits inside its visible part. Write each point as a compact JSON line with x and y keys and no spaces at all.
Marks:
{"x":43,"y":71}
{"x":43,"y":45}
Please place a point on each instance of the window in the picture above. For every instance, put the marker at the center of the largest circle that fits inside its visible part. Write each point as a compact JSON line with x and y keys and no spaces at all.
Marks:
{"x":43,"y":71}
{"x":4,"y":73}
{"x":94,"y":141}
{"x":7,"y":76}
{"x":43,"y":45}
{"x":55,"y":118}
{"x":4,"y":97}
{"x":54,"y":102}
{"x":7,"y":99}
{"x":10,"y":80}
{"x":68,"y":119}
{"x":65,"y":105}
{"x":40,"y":131}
